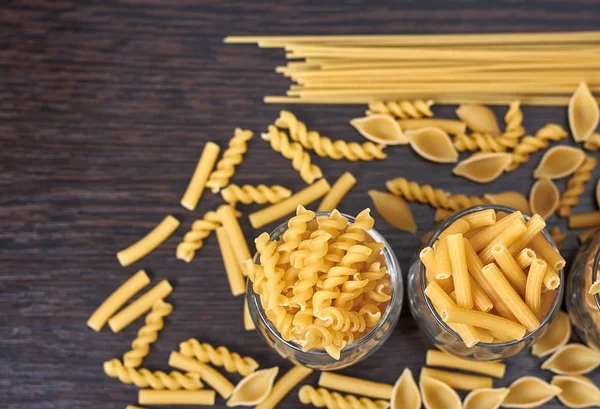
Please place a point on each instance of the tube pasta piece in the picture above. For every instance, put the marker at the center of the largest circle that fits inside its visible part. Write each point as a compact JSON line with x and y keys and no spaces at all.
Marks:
{"x":572,"y":359}
{"x":531,"y":144}
{"x":534,"y":226}
{"x":440,"y":300}
{"x":381,"y":129}
{"x":443,"y":359}
{"x":248,"y":323}
{"x":309,"y":172}
{"x":483,"y":167}
{"x":544,"y":198}
{"x":558,"y":236}
{"x":509,"y":198}
{"x":482,"y":218}
{"x":485,"y":398}
{"x":438,"y":395}
{"x":301,"y":198}
{"x":394,"y":210}
{"x":150,"y":397}
{"x":533,"y":290}
{"x":513,"y":272}
{"x":260,"y":194}
{"x":443,"y":266}
{"x":144,"y":378}
{"x":433,"y":144}
{"x":405,"y":393}
{"x":478,"y":118}
{"x":559,"y":162}
{"x":513,"y":300}
{"x":509,"y":236}
{"x":461,"y":226}
{"x":460,"y":274}
{"x":205,"y":165}
{"x":233,"y":155}
{"x":451,"y":126}
{"x":583,"y":220}
{"x":457,"y":380}
{"x":133,"y":407}
{"x":147,"y":335}
{"x":117,"y":299}
{"x":284,"y":385}
{"x":529,"y":392}
{"x":237,"y":284}
{"x":483,"y":320}
{"x":576,"y":391}
{"x":339,"y":189}
{"x":149,"y":242}
{"x":437,"y":198}
{"x":556,"y":336}
{"x":378,"y":390}
{"x":140,"y":306}
{"x":481,"y":301}
{"x":584,"y":113}
{"x":220,"y":356}
{"x":254,"y":388}
{"x":544,"y":250}
{"x":208,"y":374}
{"x":402,"y":109}
{"x":234,"y":233}
{"x":321,"y":397}
{"x":484,"y":237}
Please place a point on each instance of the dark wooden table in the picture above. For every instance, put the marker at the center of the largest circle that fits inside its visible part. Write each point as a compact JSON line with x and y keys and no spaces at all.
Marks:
{"x":104,"y":110}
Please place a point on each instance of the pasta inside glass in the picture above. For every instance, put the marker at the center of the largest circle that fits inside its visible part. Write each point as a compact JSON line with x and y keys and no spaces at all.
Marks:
{"x":357,"y":350}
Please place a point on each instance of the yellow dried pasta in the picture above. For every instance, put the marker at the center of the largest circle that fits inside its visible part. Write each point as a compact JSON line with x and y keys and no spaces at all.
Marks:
{"x":149,"y":242}
{"x":437,"y":198}
{"x":220,"y":356}
{"x":483,"y":167}
{"x":259,"y":194}
{"x":144,"y":378}
{"x":529,"y":392}
{"x":394,"y":210}
{"x":254,"y":388}
{"x":438,"y":395}
{"x":478,"y":141}
{"x":558,"y":162}
{"x":405,"y":393}
{"x":402,"y":109}
{"x":572,"y":359}
{"x":202,"y":398}
{"x":544,"y":198}
{"x":513,"y":120}
{"x":377,"y":390}
{"x":284,"y":385}
{"x":485,"y":398}
{"x":232,"y":157}
{"x":339,"y":189}
{"x":432,"y":144}
{"x":458,"y":380}
{"x":205,"y":165}
{"x":479,"y":118}
{"x":531,"y":144}
{"x":583,"y":112}
{"x":380,"y":129}
{"x":576,"y":391}
{"x":321,"y":397}
{"x":576,"y":186}
{"x":556,"y":336}
{"x":194,"y":239}
{"x":208,"y":374}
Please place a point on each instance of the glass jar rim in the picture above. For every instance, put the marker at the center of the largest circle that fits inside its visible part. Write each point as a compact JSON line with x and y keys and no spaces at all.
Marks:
{"x":397,"y":292}
{"x":595,"y":276}
{"x":443,"y":225}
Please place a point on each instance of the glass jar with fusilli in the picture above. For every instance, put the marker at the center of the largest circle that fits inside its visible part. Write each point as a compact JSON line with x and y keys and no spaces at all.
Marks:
{"x":325,"y":289}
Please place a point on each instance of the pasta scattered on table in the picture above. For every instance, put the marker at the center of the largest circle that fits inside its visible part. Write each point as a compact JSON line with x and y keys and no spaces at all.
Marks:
{"x":532,"y":144}
{"x":478,"y":141}
{"x":438,"y":395}
{"x":559,"y":162}
{"x":144,"y":378}
{"x":343,"y":383}
{"x":444,"y":359}
{"x":479,"y":118}
{"x":232,"y":157}
{"x":394,"y":210}
{"x":529,"y":392}
{"x":321,"y":397}
{"x":576,"y":186}
{"x":485,"y":398}
{"x":576,"y":391}
{"x":437,"y":198}
{"x":259,"y":194}
{"x":513,"y":120}
{"x":583,"y":113}
{"x":544,"y":198}
{"x":197,"y":183}
{"x":405,"y":393}
{"x":208,"y":374}
{"x":339,"y":189}
{"x":152,"y":397}
{"x":572,"y":359}
{"x":402,"y":109}
{"x":194,"y":239}
{"x":433,"y":144}
{"x":284,"y":385}
{"x":381,"y":129}
{"x":556,"y":336}
{"x":254,"y":388}
{"x":149,"y":242}
{"x":458,"y":380}
{"x":483,"y":167}
{"x":220,"y":356}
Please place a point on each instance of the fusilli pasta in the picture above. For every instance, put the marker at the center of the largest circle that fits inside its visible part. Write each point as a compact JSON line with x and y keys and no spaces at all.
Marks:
{"x":144,"y":378}
{"x":531,"y":144}
{"x":260,"y":194}
{"x":220,"y":356}
{"x":194,"y":239}
{"x":513,"y":121}
{"x":576,"y":186}
{"x":232,"y":157}
{"x":402,"y":109}
{"x":322,"y":397}
{"x":477,"y":141}
{"x":437,"y":198}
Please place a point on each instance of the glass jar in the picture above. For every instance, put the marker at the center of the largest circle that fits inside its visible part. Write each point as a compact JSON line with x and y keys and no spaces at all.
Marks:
{"x":359,"y":349}
{"x":583,"y":308}
{"x":434,"y":328}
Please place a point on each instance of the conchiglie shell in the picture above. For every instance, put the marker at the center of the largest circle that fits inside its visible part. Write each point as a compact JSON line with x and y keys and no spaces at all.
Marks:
{"x":479,"y":118}
{"x":543,"y":198}
{"x":583,"y":113}
{"x":483,"y":167}
{"x":509,"y":198}
{"x":529,"y":392}
{"x":433,"y":144}
{"x":438,"y":395}
{"x":556,"y":336}
{"x":573,"y":359}
{"x":254,"y":388}
{"x":381,"y":129}
{"x":558,"y":162}
{"x":405,"y":394}
{"x":485,"y":398}
{"x":577,"y":391}
{"x":394,"y":210}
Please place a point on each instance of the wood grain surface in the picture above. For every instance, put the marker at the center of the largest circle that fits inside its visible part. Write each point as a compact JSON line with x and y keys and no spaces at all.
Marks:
{"x":104,"y":109}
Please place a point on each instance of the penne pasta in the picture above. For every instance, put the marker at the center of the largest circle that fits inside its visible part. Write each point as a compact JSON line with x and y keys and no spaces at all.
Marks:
{"x":460,"y":226}
{"x":534,"y":226}
{"x":237,"y":284}
{"x":511,"y":269}
{"x":533,"y":291}
{"x":511,"y":233}
{"x":378,"y":390}
{"x":546,"y":251}
{"x":480,"y":299}
{"x":458,"y":380}
{"x":234,"y":233}
{"x":485,"y":237}
{"x":443,"y":359}
{"x":443,"y":266}
{"x":460,"y":274}
{"x":584,"y":220}
{"x":205,"y":165}
{"x":483,"y":320}
{"x":482,"y":218}
{"x":525,"y":258}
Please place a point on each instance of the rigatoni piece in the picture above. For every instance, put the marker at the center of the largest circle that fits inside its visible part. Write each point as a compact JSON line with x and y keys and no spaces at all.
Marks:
{"x":443,"y":267}
{"x":525,"y":258}
{"x":511,"y":233}
{"x":551,"y":279}
{"x":152,"y":397}
{"x":515,"y":275}
{"x":458,"y":380}
{"x":483,"y":320}
{"x":428,"y":257}
{"x":513,"y":300}
{"x":460,"y":273}
{"x":485,"y":237}
{"x":459,"y":226}
{"x":443,"y":359}
{"x":482,"y":218}
{"x":480,"y":299}
{"x":533,"y":291}
{"x":544,"y":250}
{"x":534,"y":226}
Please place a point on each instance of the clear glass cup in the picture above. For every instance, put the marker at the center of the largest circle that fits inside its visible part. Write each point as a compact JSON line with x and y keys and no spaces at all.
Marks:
{"x":351,"y":354}
{"x":434,"y":328}
{"x":584,"y":308}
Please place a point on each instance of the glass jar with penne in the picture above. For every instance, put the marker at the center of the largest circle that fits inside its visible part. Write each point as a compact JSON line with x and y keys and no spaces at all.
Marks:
{"x":583,"y":291}
{"x":486,"y":283}
{"x":325,"y":288}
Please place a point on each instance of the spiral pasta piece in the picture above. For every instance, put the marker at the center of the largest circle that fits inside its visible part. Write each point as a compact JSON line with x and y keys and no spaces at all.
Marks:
{"x":513,"y":121}
{"x":280,"y":142}
{"x":593,"y":143}
{"x":531,"y":144}
{"x":576,"y":186}
{"x":144,"y":378}
{"x":325,"y":147}
{"x":147,"y":335}
{"x":232,"y":157}
{"x":296,"y":227}
{"x":194,"y":239}
{"x":403,"y":109}
{"x":309,"y":274}
{"x":282,"y":320}
{"x":437,"y":198}
{"x":322,"y":397}
{"x":477,"y":141}
{"x":341,"y":320}
{"x":220,"y":356}
{"x":260,"y":194}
